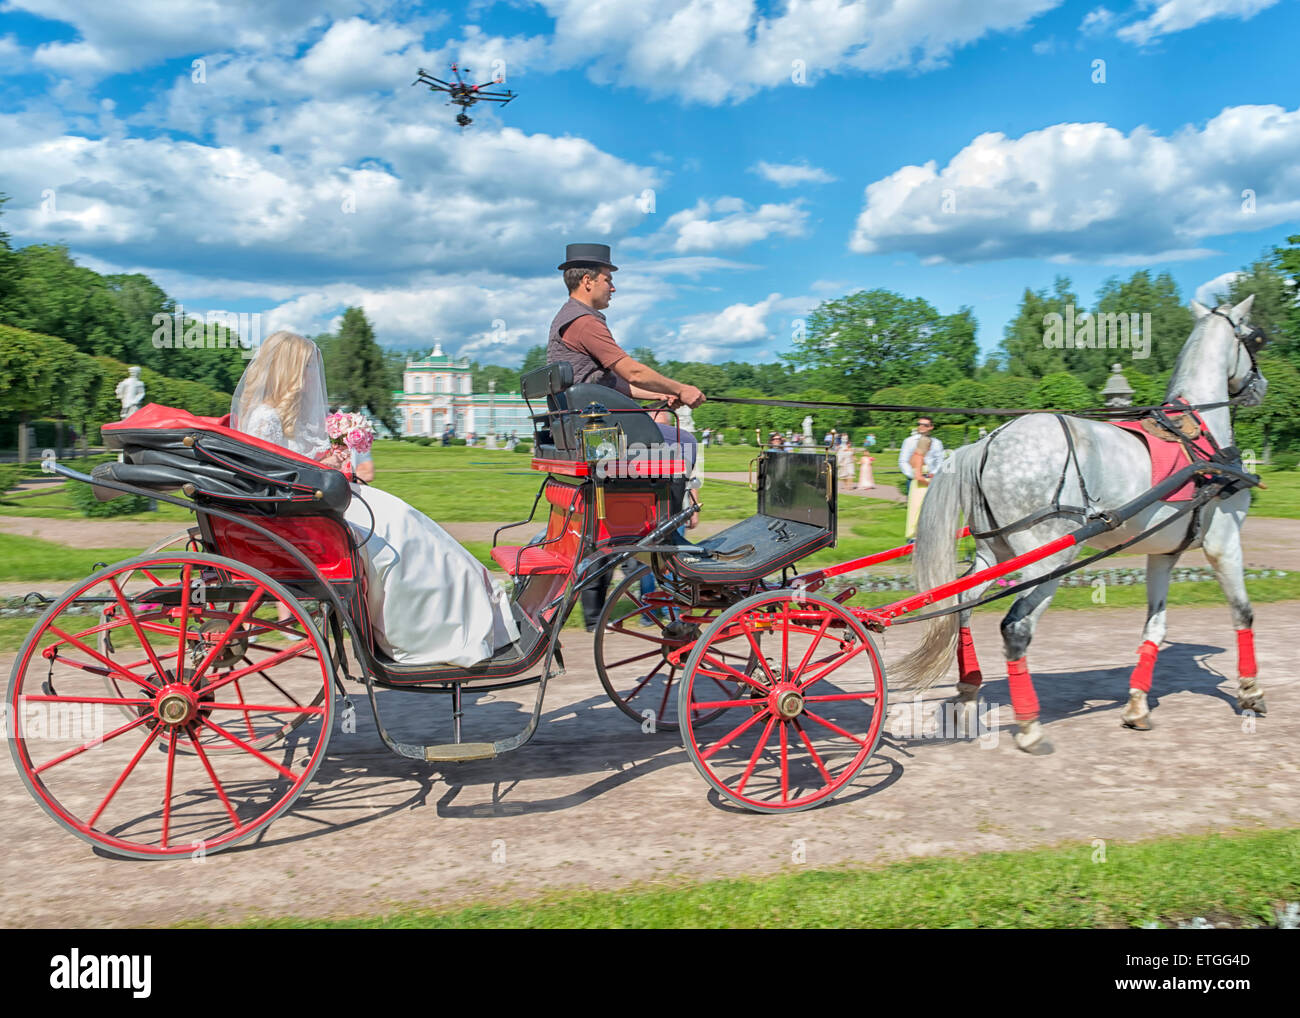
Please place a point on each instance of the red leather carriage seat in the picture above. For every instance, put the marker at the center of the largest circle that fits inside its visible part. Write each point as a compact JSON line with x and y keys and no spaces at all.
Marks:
{"x":559,"y":549}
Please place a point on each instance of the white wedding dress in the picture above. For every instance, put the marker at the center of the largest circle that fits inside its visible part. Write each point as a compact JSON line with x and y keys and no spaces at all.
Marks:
{"x":429,"y":600}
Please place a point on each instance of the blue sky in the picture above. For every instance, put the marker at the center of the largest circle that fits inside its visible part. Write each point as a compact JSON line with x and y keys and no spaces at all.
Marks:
{"x":274,"y":158}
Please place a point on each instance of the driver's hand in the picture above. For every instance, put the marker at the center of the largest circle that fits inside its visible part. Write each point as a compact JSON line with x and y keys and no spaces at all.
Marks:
{"x":691,"y":396}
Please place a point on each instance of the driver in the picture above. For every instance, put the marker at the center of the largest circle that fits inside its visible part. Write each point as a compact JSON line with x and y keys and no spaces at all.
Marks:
{"x":580,"y":337}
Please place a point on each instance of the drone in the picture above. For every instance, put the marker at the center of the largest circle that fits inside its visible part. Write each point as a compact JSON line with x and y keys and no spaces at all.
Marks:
{"x":462,"y":94}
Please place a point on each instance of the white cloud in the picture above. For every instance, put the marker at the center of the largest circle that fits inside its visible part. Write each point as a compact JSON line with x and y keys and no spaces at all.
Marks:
{"x":727,"y":222}
{"x":130,"y":34}
{"x":1088,"y":192}
{"x":1178,"y":15}
{"x":714,"y":51}
{"x":1208,"y":293}
{"x":741,"y":326}
{"x":1097,"y":21}
{"x":791,"y":174}
{"x":293,"y":200}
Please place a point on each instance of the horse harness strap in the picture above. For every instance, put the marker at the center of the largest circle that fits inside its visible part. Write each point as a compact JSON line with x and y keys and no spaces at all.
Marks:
{"x":1085,"y":512}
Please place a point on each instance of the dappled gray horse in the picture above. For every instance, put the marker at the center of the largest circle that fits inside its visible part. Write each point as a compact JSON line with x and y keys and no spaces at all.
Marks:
{"x":1017,"y":470}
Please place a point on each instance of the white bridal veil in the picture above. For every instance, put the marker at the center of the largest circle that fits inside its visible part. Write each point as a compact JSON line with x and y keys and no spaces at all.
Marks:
{"x":283,"y":389}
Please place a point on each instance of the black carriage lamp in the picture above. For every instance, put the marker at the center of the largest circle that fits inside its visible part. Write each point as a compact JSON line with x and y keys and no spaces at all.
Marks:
{"x":600,"y":442}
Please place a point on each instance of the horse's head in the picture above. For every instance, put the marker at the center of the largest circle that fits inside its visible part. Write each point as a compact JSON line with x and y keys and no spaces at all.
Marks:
{"x":1246,"y":383}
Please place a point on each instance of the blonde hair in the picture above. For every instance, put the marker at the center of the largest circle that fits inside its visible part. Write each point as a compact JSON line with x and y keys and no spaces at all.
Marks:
{"x":277,"y":375}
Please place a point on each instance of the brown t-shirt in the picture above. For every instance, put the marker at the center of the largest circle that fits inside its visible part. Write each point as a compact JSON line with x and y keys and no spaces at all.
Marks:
{"x":592,"y":336}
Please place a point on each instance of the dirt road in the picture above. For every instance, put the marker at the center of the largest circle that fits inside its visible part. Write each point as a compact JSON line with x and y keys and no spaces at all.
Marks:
{"x":593,"y":802}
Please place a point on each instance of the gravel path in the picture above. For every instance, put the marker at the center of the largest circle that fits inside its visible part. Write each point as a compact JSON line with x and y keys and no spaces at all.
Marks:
{"x":593,"y":802}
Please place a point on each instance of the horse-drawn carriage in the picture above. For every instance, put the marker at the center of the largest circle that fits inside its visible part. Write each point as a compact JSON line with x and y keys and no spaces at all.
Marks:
{"x":183,"y":699}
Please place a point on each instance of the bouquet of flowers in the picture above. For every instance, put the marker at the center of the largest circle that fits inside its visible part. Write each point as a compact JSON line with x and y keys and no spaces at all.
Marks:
{"x":350,"y":431}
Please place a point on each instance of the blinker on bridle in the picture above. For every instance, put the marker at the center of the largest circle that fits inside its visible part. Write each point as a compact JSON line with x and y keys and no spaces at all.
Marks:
{"x":1253,"y":340}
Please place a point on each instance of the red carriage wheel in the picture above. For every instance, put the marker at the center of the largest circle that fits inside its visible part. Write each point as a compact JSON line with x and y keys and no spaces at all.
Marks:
{"x":254,"y":640}
{"x":811,"y":709}
{"x":634,"y":639}
{"x":190,"y":748}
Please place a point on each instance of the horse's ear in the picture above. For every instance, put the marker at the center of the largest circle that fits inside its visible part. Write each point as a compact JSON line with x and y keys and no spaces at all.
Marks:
{"x":1241,"y":312}
{"x":1199,"y":309}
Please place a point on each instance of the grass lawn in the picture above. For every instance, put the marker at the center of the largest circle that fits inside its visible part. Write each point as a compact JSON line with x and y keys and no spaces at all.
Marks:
{"x":1239,"y":877}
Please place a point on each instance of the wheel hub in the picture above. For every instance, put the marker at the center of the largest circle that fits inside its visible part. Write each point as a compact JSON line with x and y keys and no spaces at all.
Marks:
{"x":787,"y":701}
{"x":177,"y":704}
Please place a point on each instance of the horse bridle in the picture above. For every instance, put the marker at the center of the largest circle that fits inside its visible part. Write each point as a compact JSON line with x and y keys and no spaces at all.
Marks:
{"x":1252,"y":341}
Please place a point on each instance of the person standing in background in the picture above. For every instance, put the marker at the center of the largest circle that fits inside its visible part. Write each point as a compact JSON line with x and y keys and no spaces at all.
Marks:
{"x":933,"y":457}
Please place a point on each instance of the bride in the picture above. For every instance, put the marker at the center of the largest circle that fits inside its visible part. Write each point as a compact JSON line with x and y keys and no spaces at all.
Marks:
{"x":429,"y":600}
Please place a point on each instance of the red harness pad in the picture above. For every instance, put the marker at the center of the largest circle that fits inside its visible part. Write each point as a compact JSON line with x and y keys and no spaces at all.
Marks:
{"x":1167,"y":458}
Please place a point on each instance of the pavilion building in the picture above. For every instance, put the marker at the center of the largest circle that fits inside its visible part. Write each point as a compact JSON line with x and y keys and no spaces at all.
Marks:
{"x":436,"y":394}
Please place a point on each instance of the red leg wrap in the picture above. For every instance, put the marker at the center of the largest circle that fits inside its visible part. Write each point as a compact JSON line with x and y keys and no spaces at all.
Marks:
{"x":1024,"y":701}
{"x":968,"y":666}
{"x":1246,"y":654}
{"x":1146,"y":664}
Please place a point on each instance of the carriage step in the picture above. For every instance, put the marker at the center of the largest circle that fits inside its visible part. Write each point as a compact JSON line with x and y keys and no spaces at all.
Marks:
{"x":450,"y":752}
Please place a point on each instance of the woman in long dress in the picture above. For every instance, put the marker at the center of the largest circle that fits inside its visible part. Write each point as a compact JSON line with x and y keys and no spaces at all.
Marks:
{"x":429,"y":600}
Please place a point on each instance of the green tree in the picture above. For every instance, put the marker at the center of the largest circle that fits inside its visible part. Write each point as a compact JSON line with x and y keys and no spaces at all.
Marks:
{"x":1062,"y":390}
{"x":1286,"y":341}
{"x":878,"y":337}
{"x":507,"y":379}
{"x":1171,"y":324}
{"x":535,"y":358}
{"x":362,"y":377}
{"x":1278,"y":417}
{"x":1023,"y":349}
{"x":8,"y":269}
{"x":55,"y":296}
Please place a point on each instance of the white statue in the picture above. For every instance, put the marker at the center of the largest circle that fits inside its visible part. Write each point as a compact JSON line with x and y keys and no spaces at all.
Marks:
{"x":130,"y":392}
{"x":807,"y":430}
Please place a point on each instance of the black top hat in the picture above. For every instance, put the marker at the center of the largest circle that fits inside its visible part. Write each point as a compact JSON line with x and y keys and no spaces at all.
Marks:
{"x":581,"y":256}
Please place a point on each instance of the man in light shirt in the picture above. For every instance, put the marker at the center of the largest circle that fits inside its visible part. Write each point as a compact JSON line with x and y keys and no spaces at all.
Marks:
{"x":933,"y":458}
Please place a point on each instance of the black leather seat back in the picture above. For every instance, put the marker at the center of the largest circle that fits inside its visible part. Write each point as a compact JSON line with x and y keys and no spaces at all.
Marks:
{"x":637,"y":425}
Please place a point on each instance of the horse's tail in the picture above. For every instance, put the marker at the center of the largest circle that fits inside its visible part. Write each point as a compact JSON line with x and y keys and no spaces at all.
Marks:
{"x":934,"y":562}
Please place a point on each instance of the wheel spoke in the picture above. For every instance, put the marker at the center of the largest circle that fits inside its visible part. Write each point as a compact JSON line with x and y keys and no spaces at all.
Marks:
{"x":110,"y":665}
{"x":749,"y":635}
{"x":833,"y":727}
{"x":663,"y":706}
{"x":187,"y":571}
{"x":639,"y":657}
{"x":248,"y":708}
{"x":253,"y":601}
{"x":813,"y":646}
{"x":758,"y":750}
{"x":90,"y":745}
{"x":293,"y":650}
{"x":209,"y":723}
{"x":121,"y":779}
{"x":826,"y":698}
{"x":135,"y":625}
{"x":848,"y":656}
{"x":727,"y":704}
{"x":221,"y":792}
{"x":248,"y":721}
{"x":816,"y":758}
{"x":641,"y":685}
{"x":785,"y":765}
{"x":734,"y":733}
{"x":728,"y":670}
{"x":167,"y":786}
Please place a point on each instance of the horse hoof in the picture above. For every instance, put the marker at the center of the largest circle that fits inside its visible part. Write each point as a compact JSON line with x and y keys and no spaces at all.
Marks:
{"x":1139,"y":724}
{"x":1255,"y":704}
{"x":1030,"y":739}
